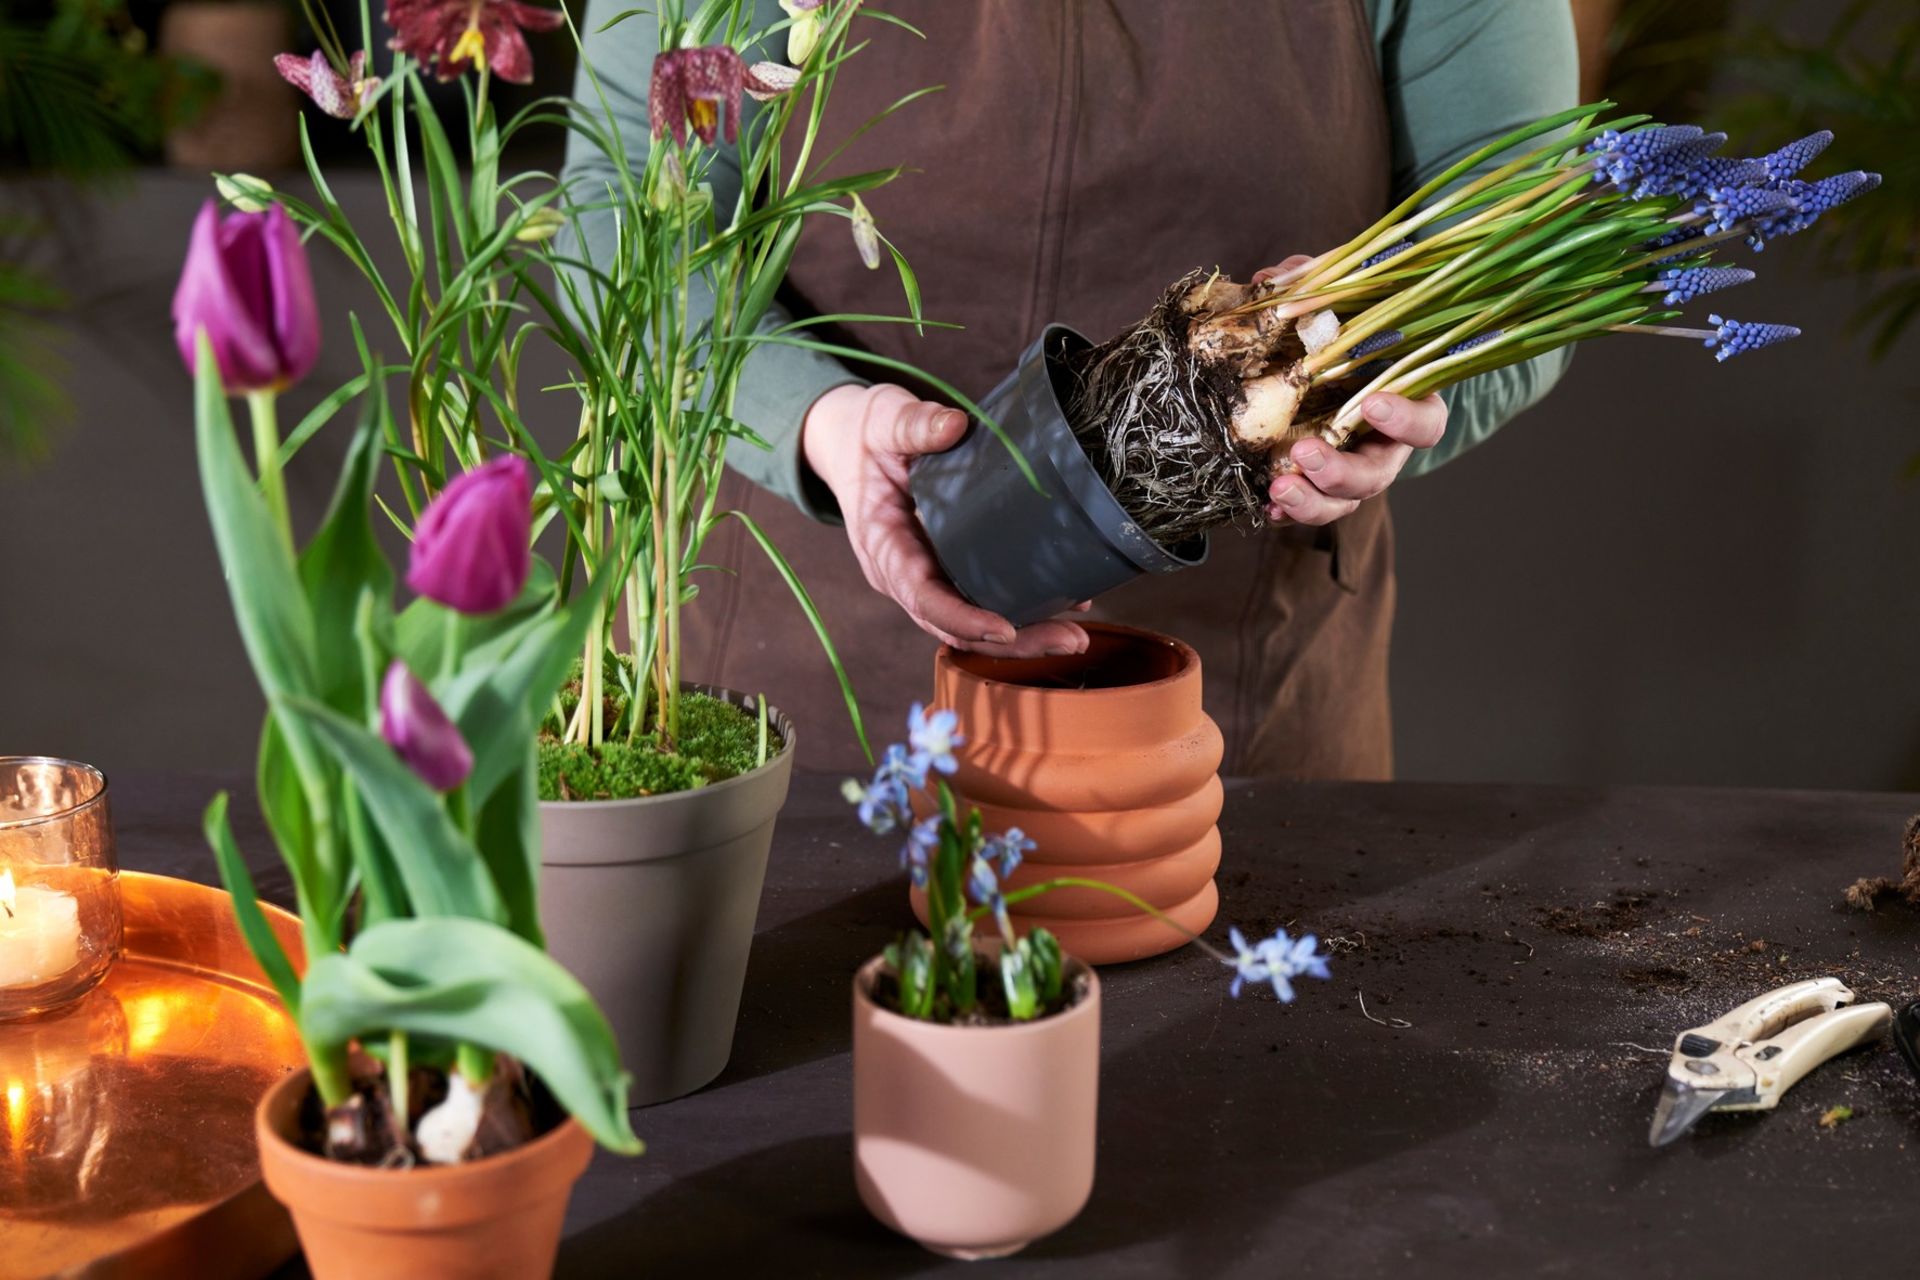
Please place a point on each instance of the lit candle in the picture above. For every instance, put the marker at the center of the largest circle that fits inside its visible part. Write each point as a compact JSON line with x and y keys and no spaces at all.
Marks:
{"x":39,"y":933}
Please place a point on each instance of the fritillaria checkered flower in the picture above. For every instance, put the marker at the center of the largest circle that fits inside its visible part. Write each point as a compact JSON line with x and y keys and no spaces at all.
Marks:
{"x":699,"y":89}
{"x":338,"y":95}
{"x":443,"y":34}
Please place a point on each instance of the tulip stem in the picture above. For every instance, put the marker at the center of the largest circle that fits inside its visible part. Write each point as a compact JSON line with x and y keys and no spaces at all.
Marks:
{"x":266,"y":454}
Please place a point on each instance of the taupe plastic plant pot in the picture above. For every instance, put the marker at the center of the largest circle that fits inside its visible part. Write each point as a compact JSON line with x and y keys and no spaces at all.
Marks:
{"x":494,"y":1219}
{"x":651,"y":904}
{"x":974,"y":1141}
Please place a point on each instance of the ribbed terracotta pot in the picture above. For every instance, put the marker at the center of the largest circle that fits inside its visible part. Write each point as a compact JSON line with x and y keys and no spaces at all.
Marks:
{"x":974,"y":1141}
{"x":651,"y":904}
{"x":494,"y":1218}
{"x":1107,"y":760}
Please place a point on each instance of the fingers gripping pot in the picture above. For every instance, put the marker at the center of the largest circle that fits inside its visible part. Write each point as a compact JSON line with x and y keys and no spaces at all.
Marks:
{"x":1023,"y":553}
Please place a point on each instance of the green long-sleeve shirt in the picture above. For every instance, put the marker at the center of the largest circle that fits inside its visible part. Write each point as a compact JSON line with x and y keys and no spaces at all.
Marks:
{"x":1457,"y":74}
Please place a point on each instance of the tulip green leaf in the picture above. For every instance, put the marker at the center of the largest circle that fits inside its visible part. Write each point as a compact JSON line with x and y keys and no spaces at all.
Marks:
{"x":443,"y":873}
{"x":259,"y":935}
{"x":473,"y":982}
{"x":343,"y":562}
{"x":507,"y":831}
{"x":497,"y":697}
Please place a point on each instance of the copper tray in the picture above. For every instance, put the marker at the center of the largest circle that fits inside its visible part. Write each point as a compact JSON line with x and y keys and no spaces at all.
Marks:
{"x":126,"y":1123}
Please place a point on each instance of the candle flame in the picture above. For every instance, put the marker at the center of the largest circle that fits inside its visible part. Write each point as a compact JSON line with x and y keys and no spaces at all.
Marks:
{"x":6,"y":891}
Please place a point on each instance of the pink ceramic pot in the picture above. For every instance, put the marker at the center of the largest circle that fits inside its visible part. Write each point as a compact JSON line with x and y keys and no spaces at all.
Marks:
{"x":975,"y":1141}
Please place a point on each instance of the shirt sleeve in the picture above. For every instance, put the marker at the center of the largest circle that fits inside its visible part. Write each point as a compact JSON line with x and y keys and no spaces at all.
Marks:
{"x":777,"y":383}
{"x":1459,"y":74}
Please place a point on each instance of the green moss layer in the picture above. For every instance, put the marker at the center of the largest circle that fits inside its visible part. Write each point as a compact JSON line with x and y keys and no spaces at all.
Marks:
{"x":717,"y":741}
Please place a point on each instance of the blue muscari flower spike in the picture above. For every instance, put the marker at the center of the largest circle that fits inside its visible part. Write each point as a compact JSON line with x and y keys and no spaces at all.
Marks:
{"x":1390,"y":251}
{"x":1670,"y":171}
{"x":1376,"y":342}
{"x":1684,"y":284}
{"x":1830,"y":193}
{"x":1679,"y":235}
{"x":1736,"y":336}
{"x":1725,"y":172}
{"x":1744,"y":204}
{"x":1478,"y":340}
{"x":1620,"y":157}
{"x":1795,"y":156}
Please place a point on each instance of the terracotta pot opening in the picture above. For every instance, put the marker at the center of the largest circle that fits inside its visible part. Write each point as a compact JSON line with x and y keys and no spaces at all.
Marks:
{"x":1116,"y":658}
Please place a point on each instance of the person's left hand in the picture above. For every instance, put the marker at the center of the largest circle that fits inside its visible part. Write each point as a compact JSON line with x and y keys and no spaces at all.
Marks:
{"x":1331,"y":482}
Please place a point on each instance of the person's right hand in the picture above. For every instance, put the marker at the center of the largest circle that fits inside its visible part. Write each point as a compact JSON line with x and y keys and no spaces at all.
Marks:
{"x":860,"y":442}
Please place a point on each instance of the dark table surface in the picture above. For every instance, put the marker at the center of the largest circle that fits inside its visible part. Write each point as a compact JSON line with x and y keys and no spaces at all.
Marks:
{"x":1530,"y":952}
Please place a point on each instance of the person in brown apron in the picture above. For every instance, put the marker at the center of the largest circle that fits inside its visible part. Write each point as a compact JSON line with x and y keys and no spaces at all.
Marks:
{"x":1084,"y":154}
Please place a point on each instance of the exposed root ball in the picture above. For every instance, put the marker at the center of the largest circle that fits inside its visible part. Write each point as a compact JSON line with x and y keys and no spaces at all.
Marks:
{"x":1156,"y":422}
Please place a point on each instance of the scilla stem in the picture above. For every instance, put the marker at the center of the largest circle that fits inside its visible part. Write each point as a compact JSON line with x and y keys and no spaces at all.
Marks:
{"x":1131,"y":899}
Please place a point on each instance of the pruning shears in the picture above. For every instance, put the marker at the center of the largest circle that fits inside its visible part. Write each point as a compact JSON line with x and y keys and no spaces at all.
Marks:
{"x":1747,"y":1058}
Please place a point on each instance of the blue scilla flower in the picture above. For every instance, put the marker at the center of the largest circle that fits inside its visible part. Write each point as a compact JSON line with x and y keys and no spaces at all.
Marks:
{"x":1795,"y":156}
{"x":983,"y":886}
{"x":1479,"y":339}
{"x":1375,"y":342}
{"x":922,"y":839}
{"x":910,"y":767}
{"x":1735,"y":336}
{"x":934,"y":735}
{"x":1684,"y":284}
{"x":1008,"y":850}
{"x":883,"y":804}
{"x":1277,"y":960}
{"x":1288,"y":958}
{"x":1727,"y":206}
{"x":1392,"y":250}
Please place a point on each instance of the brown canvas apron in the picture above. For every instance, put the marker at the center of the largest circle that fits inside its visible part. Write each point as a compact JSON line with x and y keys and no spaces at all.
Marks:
{"x":1083,"y":155}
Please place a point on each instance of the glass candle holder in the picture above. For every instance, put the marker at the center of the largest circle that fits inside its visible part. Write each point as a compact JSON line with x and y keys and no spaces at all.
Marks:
{"x":59,"y":884}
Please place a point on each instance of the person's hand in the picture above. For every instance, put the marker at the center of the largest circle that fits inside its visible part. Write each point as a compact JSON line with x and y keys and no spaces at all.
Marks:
{"x":860,"y":442}
{"x":1330,"y":482}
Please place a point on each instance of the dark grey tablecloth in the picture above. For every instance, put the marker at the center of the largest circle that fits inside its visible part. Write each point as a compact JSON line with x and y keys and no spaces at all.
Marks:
{"x":1531,"y":952}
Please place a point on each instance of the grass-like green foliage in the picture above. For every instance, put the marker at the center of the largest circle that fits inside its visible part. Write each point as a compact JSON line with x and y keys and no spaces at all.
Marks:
{"x":717,"y":741}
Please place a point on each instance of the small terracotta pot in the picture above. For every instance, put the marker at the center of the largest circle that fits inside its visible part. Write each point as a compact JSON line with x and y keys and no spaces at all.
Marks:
{"x":974,"y":1141}
{"x":497,"y":1217}
{"x":1107,"y":760}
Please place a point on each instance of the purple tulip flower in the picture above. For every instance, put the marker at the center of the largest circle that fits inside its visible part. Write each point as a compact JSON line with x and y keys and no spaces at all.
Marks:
{"x":471,"y":548}
{"x":247,"y":284}
{"x":420,"y":733}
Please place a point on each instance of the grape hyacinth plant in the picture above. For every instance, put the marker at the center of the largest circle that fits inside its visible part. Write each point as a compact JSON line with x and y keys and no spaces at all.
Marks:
{"x":1583,"y":226}
{"x":963,"y":872}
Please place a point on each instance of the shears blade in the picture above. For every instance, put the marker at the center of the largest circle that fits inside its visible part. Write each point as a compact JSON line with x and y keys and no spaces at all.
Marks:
{"x":1681,"y":1106}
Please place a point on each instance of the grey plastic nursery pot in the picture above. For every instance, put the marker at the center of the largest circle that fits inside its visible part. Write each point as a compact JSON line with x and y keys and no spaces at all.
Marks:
{"x":1025,"y":554}
{"x":651,"y":903}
